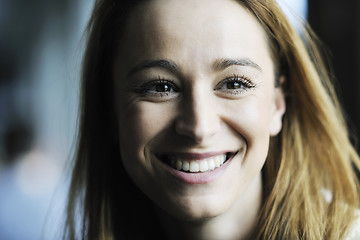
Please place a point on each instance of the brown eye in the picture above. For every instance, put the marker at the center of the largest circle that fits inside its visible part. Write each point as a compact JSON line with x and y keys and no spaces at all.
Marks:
{"x":163,"y":87}
{"x":160,"y":88}
{"x":233,"y":85}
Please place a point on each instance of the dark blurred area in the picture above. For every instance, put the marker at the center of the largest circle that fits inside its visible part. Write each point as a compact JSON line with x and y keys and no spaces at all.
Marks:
{"x":337,"y":23}
{"x":22,"y":27}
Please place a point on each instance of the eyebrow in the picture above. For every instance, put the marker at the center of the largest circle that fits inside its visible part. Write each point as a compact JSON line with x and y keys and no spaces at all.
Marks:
{"x":165,"y":64}
{"x":224,"y":63}
{"x":171,"y":66}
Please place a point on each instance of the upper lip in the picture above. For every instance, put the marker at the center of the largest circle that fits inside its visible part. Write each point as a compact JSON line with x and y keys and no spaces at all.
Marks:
{"x":192,"y":156}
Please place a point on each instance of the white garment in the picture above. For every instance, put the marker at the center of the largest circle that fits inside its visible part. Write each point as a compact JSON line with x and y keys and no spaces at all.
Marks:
{"x":354,"y":233}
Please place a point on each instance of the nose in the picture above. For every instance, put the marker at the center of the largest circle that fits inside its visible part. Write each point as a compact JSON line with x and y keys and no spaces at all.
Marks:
{"x":198,"y":118}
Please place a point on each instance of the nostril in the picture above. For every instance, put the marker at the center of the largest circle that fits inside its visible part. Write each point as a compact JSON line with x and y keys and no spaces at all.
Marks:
{"x":198,"y":131}
{"x":197,"y":117}
{"x":185,"y":127}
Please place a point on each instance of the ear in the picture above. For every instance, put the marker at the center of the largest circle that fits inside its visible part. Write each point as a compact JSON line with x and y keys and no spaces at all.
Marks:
{"x":279,"y":108}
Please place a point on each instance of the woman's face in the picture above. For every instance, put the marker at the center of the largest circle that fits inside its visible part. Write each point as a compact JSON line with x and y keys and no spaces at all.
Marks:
{"x":196,"y":105}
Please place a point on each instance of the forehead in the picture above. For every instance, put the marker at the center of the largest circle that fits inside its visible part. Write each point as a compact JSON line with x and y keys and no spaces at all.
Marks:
{"x":196,"y":29}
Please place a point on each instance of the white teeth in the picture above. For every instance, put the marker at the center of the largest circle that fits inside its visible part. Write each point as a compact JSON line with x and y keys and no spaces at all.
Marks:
{"x":211,"y":165}
{"x":179,"y":165}
{"x":185,"y":166}
{"x":202,"y":165}
{"x":218,"y":162}
{"x":194,"y":166}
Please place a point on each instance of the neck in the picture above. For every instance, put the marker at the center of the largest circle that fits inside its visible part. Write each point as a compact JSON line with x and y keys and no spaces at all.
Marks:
{"x":238,"y":222}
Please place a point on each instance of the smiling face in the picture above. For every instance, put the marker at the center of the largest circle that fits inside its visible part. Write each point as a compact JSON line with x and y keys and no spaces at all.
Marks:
{"x":196,"y":105}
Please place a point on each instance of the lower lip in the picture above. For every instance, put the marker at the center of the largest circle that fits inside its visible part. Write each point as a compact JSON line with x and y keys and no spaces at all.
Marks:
{"x":199,"y":177}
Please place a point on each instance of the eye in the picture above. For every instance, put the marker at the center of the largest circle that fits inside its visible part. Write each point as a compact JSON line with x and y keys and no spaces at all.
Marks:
{"x":235,"y":85}
{"x":158,"y":88}
{"x":163,"y":87}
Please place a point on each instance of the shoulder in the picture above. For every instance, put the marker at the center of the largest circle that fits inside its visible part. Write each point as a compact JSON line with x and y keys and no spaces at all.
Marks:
{"x":354,"y":232}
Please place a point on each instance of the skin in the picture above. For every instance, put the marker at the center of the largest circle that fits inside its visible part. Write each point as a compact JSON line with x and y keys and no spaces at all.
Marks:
{"x":196,"y":108}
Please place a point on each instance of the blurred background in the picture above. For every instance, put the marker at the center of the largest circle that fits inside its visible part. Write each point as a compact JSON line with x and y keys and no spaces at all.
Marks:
{"x":41,"y":46}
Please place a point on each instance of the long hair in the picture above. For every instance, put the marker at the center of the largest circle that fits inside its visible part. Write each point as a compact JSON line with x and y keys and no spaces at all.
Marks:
{"x":311,"y":187}
{"x":310,"y":183}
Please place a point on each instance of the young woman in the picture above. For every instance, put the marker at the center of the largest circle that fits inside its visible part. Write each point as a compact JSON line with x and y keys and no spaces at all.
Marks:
{"x":208,"y":120}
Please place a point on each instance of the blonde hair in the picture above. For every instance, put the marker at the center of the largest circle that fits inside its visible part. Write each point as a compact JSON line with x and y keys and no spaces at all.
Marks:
{"x":311,"y":155}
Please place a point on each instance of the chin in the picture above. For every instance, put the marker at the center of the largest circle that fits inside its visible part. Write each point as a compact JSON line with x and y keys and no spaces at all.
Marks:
{"x":196,"y":208}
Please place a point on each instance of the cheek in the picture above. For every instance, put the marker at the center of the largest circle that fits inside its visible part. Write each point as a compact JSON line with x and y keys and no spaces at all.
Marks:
{"x":251,"y":119}
{"x":134,"y":126}
{"x":139,"y":124}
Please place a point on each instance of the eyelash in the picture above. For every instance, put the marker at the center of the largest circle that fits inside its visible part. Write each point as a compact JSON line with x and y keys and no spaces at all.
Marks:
{"x":245,"y":84}
{"x":150,"y":88}
{"x":146,"y":89}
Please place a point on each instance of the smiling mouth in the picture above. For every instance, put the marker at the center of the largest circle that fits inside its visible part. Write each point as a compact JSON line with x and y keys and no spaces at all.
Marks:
{"x":193,"y":164}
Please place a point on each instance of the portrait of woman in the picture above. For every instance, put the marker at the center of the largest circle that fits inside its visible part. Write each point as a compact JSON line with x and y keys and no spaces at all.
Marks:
{"x":209,"y":120}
